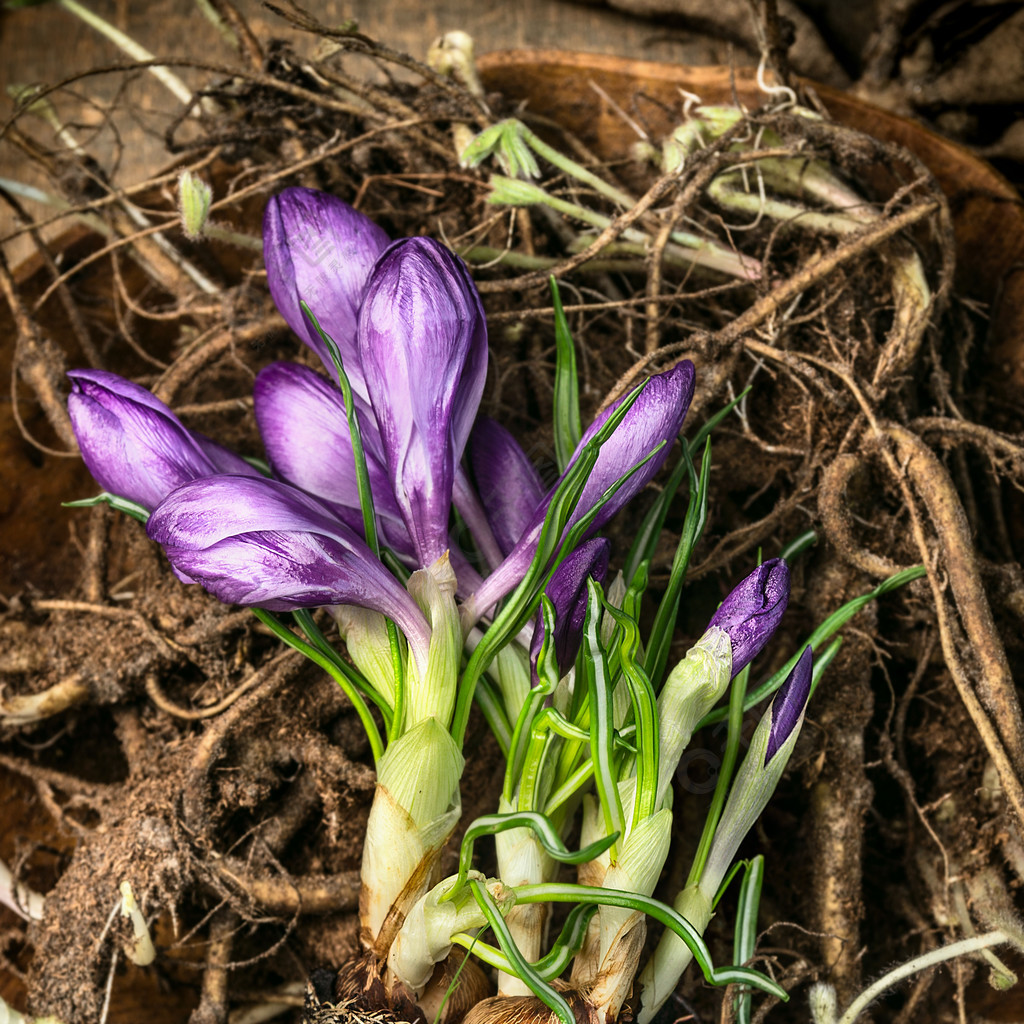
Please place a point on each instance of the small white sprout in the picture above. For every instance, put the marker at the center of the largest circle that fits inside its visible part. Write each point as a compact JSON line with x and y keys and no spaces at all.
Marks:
{"x":141,"y":951}
{"x":822,"y":999}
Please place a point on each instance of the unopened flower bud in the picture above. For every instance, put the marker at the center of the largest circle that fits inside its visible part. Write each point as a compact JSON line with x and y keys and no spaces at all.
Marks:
{"x":194,"y":198}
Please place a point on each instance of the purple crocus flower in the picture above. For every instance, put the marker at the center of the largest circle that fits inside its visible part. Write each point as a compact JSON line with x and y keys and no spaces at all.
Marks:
{"x":567,"y":591}
{"x":509,"y":485}
{"x":423,"y":347}
{"x":132,"y":443}
{"x":319,"y":249}
{"x":302,"y":421}
{"x":655,"y":417}
{"x":265,"y":543}
{"x":789,"y":704}
{"x":751,"y":613}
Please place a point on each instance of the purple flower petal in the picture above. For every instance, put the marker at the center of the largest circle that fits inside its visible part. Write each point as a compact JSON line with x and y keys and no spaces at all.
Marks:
{"x":320,"y":250}
{"x":423,"y":346}
{"x":751,"y":613}
{"x":656,"y":416}
{"x":302,"y":421}
{"x":567,"y":591}
{"x":789,"y":704}
{"x":509,"y":486}
{"x":265,"y":543}
{"x":132,"y":443}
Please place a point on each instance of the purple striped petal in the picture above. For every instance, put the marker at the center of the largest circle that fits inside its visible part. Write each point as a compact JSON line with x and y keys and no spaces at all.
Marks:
{"x":509,"y":485}
{"x":567,"y":591}
{"x":319,"y":249}
{"x":751,"y":613}
{"x":132,"y":443}
{"x":655,"y":417}
{"x":265,"y":543}
{"x":423,"y":346}
{"x":302,"y":421}
{"x":789,"y":704}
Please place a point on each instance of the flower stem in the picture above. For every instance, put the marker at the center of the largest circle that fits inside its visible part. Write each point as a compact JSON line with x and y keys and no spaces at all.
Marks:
{"x":732,"y":747}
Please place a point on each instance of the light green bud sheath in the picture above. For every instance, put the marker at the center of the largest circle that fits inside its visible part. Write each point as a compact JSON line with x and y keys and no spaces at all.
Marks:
{"x":426,"y":937}
{"x":432,"y":694}
{"x":522,"y":861}
{"x":366,"y":638}
{"x":415,"y":808}
{"x":690,"y":692}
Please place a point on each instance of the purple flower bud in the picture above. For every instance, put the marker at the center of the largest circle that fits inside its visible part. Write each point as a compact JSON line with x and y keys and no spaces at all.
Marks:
{"x":320,"y":250}
{"x":655,"y":417}
{"x":423,"y":346}
{"x":751,"y":613}
{"x":305,"y":431}
{"x":132,"y":443}
{"x":789,"y":704}
{"x":509,"y":486}
{"x":265,"y":543}
{"x":567,"y":591}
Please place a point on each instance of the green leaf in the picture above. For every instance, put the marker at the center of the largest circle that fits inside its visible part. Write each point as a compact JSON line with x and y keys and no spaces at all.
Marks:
{"x":645,"y":714}
{"x":106,"y":498}
{"x":732,"y":748}
{"x":602,"y":726}
{"x":668,"y":610}
{"x":551,"y":965}
{"x":568,"y":430}
{"x":547,"y":836}
{"x":280,"y":630}
{"x":566,"y":892}
{"x":745,"y":935}
{"x":552,"y":547}
{"x":520,"y":966}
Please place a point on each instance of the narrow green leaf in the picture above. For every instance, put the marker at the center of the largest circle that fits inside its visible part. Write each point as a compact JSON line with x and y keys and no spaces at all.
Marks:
{"x":547,"y":836}
{"x":554,"y":962}
{"x":106,"y":498}
{"x":668,"y":610}
{"x":567,"y":892}
{"x":698,"y":439}
{"x":602,"y":726}
{"x":308,"y":625}
{"x":745,"y":935}
{"x":645,"y":714}
{"x":366,"y":506}
{"x":732,"y":747}
{"x":280,"y":630}
{"x":551,"y":547}
{"x":567,"y":395}
{"x":520,"y":966}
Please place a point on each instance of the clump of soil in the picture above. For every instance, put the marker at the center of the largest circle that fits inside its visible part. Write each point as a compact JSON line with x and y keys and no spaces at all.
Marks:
{"x":180,"y":749}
